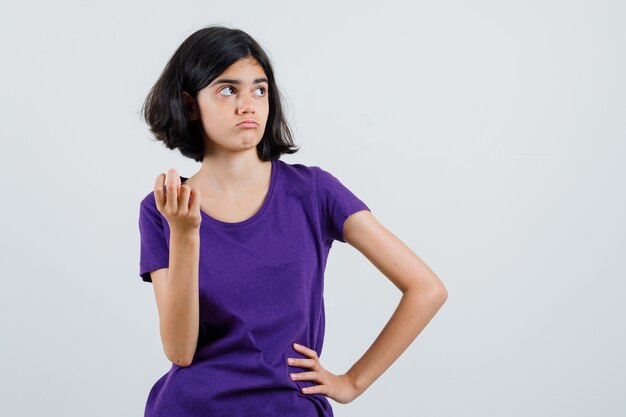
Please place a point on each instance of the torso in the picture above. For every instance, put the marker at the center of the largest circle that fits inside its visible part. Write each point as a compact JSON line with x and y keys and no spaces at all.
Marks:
{"x":260,"y":288}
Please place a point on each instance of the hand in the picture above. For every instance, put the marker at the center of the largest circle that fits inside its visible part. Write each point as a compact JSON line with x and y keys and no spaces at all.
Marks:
{"x":338,"y":387}
{"x":179,"y":204}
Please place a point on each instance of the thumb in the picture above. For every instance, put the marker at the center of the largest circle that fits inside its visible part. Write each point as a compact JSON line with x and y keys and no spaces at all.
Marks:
{"x":194,"y":197}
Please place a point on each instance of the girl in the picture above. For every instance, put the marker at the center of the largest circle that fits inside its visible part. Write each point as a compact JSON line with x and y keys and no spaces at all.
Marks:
{"x":237,"y":252}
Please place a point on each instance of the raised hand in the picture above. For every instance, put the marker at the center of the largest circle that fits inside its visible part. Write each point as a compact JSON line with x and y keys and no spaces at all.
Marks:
{"x":179,"y":204}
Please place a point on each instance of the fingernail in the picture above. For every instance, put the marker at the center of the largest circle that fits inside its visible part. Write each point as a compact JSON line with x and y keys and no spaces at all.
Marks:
{"x":296,"y":345}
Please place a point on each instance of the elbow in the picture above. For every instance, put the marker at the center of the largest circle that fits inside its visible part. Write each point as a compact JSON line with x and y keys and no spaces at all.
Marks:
{"x":179,"y":357}
{"x":179,"y":348}
{"x":436,"y":294}
{"x":437,"y":291}
{"x":440,"y":294}
{"x":182,"y":361}
{"x":443,"y":294}
{"x":433,"y":290}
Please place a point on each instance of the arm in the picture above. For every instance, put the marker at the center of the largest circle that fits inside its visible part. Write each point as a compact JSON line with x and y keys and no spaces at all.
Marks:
{"x":423,"y":294}
{"x":176,"y":287}
{"x":176,"y":292}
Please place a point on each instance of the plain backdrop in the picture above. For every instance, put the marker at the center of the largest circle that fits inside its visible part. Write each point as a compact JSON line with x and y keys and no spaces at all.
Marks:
{"x":489,"y":136}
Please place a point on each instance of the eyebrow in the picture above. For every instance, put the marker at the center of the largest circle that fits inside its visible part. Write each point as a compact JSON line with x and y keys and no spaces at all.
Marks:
{"x":233,"y":81}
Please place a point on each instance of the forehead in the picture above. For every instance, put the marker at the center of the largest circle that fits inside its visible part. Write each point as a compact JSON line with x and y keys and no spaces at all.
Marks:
{"x":246,"y":67}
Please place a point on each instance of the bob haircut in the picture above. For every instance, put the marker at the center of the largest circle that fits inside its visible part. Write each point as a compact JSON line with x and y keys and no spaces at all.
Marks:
{"x":196,"y":63}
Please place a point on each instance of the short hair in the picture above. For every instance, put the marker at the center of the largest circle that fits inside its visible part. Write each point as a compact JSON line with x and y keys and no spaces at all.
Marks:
{"x":196,"y":63}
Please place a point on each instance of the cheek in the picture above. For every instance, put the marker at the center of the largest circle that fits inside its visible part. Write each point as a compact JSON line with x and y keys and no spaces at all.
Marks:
{"x":213,"y":113}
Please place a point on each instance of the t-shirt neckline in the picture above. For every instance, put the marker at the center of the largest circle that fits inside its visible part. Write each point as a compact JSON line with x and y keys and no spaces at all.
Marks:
{"x":256,"y":216}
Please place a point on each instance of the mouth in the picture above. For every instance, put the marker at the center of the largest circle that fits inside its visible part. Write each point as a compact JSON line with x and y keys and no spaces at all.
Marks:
{"x":248,"y":124}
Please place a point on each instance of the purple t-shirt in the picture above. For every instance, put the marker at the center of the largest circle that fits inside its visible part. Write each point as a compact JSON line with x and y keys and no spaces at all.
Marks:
{"x":261,"y":284}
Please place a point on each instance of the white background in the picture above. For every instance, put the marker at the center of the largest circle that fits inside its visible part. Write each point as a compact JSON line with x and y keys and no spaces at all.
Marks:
{"x":488,"y":135}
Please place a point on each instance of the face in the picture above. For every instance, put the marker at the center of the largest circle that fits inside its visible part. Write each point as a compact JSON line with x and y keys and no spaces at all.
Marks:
{"x":238,"y":94}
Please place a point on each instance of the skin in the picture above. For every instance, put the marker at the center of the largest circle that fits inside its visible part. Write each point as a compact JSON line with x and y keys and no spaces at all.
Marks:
{"x":232,"y":176}
{"x":423,"y":294}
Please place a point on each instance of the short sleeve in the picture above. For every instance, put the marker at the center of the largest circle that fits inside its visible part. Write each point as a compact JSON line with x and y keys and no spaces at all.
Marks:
{"x":336,"y":203}
{"x":154,"y":249}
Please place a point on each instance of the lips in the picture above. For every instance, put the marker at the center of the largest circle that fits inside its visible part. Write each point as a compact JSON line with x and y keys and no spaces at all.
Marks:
{"x":248,"y":123}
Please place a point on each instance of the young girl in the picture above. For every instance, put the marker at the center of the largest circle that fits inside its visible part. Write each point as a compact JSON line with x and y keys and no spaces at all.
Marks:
{"x":237,"y":252}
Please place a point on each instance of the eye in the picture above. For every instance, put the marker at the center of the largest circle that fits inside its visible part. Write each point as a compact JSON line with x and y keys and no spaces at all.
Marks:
{"x":226,"y":88}
{"x":263,"y":89}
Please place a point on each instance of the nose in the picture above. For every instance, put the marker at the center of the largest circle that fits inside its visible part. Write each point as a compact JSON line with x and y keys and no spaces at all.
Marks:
{"x":245,"y":104}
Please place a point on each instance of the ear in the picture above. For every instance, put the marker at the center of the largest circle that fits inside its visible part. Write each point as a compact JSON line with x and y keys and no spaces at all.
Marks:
{"x":190,"y":106}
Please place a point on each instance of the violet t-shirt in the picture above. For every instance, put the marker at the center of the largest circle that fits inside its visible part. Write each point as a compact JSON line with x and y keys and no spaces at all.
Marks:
{"x":261,"y":284}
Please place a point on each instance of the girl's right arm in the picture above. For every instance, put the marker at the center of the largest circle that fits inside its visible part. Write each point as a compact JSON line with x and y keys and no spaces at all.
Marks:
{"x":176,"y":287}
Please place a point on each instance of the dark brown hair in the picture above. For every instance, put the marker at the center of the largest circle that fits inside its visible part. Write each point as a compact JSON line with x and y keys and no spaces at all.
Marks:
{"x":196,"y":63}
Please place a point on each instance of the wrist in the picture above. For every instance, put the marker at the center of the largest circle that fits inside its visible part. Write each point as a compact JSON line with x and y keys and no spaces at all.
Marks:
{"x":186,"y":235}
{"x":355,"y":384}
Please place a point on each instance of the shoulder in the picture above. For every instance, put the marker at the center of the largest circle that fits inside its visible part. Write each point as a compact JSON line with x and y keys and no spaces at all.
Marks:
{"x":298,"y":172}
{"x":148,"y":207}
{"x":297,"y":176}
{"x":311,"y":179}
{"x":148,"y":200}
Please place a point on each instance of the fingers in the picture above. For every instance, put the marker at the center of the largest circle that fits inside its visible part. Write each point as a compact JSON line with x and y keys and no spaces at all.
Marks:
{"x":172,"y":191}
{"x":194,"y":204}
{"x":302,"y":363}
{"x":183,"y":203}
{"x":305,"y":376}
{"x":305,"y":350}
{"x":159,"y":195}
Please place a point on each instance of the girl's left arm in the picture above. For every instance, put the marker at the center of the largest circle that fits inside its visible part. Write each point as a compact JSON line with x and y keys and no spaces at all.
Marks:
{"x":423,"y":294}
